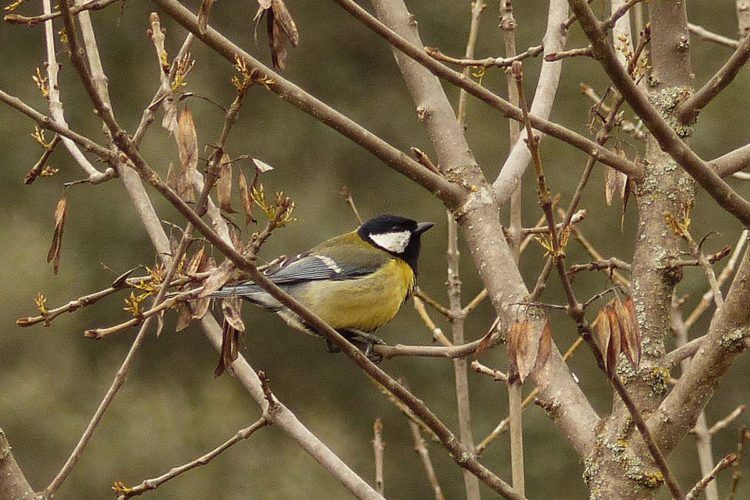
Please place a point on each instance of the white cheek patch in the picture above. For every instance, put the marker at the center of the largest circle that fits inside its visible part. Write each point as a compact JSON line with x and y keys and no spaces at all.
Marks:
{"x":392,"y":242}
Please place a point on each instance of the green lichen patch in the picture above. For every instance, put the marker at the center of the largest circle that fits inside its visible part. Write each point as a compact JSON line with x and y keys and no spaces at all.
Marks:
{"x":732,"y":340}
{"x":657,"y":379}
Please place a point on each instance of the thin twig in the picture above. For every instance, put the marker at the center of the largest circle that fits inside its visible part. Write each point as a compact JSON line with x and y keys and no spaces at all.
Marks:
{"x":688,"y":109}
{"x":152,"y":484}
{"x":488,"y":62}
{"x":564,"y":54}
{"x":453,"y":261}
{"x":347,"y":193}
{"x":705,"y":34}
{"x":427,"y":299}
{"x":421,"y":448}
{"x":601,"y":265}
{"x":515,"y":390}
{"x":703,"y":435}
{"x":56,"y":106}
{"x":723,"y":277}
{"x":723,"y":464}
{"x":437,"y":333}
{"x":724,"y":422}
{"x":504,"y":424}
{"x":74,"y":10}
{"x":496,"y":375}
{"x":378,"y":446}
{"x":742,"y":436}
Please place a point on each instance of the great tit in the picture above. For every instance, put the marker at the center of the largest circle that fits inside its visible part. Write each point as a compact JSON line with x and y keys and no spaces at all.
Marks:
{"x":355,"y":282}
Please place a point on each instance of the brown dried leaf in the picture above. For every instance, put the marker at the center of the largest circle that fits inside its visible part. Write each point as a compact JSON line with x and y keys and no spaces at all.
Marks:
{"x":633,"y":351}
{"x":169,"y":121}
{"x":171,"y":177}
{"x":522,"y":352}
{"x":276,"y":41}
{"x":512,"y":347}
{"x":184,"y":317}
{"x":247,"y":200}
{"x":283,"y":18}
{"x":625,"y":197}
{"x":614,"y":183}
{"x":487,"y":340}
{"x":545,"y":348}
{"x":120,"y":280}
{"x":602,"y":333}
{"x":196,"y":261}
{"x":187,"y":146}
{"x":159,"y":323}
{"x":262,"y":166}
{"x":217,"y":279}
{"x":200,"y":307}
{"x":230,"y":340}
{"x":203,"y":15}
{"x":615,"y":346}
{"x":224,"y":184}
{"x":231,"y":308}
{"x":61,"y":211}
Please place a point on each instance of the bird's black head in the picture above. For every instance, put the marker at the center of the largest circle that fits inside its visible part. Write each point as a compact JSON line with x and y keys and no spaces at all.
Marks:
{"x":396,"y":235}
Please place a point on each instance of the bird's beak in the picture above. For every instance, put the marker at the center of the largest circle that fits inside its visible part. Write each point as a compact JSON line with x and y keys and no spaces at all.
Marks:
{"x":423,"y":226}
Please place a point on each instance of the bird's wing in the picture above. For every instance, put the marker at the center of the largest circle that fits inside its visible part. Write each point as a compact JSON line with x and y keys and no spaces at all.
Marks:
{"x":331,"y":266}
{"x":341,"y":258}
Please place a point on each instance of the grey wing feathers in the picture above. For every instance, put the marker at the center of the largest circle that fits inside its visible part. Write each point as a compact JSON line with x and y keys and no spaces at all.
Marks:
{"x":302,"y":269}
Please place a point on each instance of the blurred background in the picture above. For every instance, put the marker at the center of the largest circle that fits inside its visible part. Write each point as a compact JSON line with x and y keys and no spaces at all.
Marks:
{"x":172,"y":409}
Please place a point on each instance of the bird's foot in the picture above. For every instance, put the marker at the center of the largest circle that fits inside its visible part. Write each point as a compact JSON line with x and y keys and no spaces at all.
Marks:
{"x":331,"y":347}
{"x":363,"y":341}
{"x":366,"y":343}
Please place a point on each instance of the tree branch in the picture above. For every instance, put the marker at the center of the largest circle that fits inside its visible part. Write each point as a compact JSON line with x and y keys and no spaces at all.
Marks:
{"x":152,"y":484}
{"x":546,"y":89}
{"x":293,"y":94}
{"x":667,"y":138}
{"x":13,"y":483}
{"x":687,"y":111}
{"x":478,"y":217}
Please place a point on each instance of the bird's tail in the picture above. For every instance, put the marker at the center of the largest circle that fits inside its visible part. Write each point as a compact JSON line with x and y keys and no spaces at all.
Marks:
{"x":248,"y":291}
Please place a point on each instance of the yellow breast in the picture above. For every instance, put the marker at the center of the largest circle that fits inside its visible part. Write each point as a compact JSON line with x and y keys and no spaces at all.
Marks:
{"x":365,"y":303}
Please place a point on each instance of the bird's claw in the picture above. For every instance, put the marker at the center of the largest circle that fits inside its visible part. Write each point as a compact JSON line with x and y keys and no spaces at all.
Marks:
{"x":364,"y":341}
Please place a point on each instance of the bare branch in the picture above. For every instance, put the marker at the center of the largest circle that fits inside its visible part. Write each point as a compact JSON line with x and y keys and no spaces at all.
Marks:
{"x":549,"y":77}
{"x":496,"y":375}
{"x":56,"y":107}
{"x":723,"y":277}
{"x":295,"y":95}
{"x":722,"y":424}
{"x":424,"y":455}
{"x":705,"y":34}
{"x":489,"y":62}
{"x":13,"y":483}
{"x":723,"y":464}
{"x":688,"y":110}
{"x":668,"y":139}
{"x":378,"y":446}
{"x":74,"y":10}
{"x":152,"y":484}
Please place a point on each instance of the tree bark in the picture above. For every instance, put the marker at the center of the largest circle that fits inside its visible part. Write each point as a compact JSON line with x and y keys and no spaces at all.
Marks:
{"x":13,"y":483}
{"x":621,"y":467}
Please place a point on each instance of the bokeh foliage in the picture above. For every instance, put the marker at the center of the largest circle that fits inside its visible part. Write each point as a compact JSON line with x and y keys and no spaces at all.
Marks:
{"x":172,"y":409}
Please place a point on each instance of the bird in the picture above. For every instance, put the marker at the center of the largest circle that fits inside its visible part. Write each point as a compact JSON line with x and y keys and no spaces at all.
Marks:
{"x":355,"y":282}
